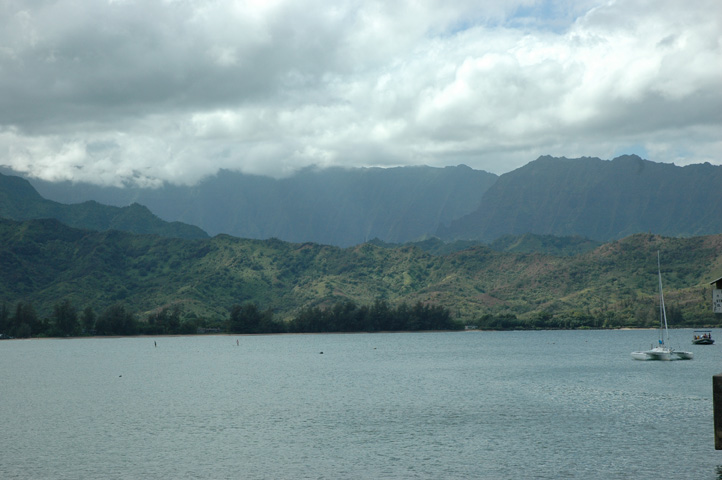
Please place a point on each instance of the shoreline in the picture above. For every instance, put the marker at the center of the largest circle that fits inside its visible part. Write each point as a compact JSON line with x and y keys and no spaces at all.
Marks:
{"x":342,"y":333}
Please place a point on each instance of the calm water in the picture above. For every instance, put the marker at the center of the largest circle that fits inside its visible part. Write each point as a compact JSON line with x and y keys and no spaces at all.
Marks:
{"x":488,"y":405}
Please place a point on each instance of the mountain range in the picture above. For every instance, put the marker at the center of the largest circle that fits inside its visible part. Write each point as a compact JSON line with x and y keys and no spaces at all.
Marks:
{"x":333,"y":206}
{"x":20,"y":201}
{"x":522,"y":280}
{"x":600,"y":200}
{"x":596,"y":199}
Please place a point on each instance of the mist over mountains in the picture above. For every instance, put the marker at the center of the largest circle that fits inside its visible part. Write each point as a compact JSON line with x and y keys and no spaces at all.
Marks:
{"x":20,"y":201}
{"x":331,"y":206}
{"x":585,"y":197}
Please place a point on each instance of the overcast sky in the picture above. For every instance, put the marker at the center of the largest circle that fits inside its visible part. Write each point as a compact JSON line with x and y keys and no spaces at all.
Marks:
{"x":124,"y":91}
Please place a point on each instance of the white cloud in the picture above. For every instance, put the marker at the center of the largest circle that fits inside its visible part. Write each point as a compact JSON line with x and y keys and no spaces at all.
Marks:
{"x":154,"y":91}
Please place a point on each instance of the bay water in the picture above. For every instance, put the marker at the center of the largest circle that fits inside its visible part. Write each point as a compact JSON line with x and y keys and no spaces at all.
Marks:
{"x":451,"y":405}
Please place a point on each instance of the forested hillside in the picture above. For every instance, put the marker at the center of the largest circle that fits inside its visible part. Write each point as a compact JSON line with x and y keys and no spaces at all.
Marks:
{"x":45,"y":263}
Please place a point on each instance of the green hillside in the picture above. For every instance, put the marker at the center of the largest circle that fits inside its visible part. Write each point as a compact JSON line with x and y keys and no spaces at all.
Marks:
{"x":45,"y":262}
{"x":20,"y":201}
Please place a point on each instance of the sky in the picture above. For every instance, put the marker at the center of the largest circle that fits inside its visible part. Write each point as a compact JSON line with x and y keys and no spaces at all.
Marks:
{"x":125,"y":92}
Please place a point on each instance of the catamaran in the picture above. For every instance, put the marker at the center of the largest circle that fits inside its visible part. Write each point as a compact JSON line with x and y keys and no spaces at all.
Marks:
{"x":662,"y":351}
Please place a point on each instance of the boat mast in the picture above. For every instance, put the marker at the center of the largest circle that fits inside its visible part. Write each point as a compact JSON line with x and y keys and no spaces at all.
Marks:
{"x":662,"y":311}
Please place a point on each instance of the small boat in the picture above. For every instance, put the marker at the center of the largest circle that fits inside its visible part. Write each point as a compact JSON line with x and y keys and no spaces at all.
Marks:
{"x":702,"y":337}
{"x":662,"y":351}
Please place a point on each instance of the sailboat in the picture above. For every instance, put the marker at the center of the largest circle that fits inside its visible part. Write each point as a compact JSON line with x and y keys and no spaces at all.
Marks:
{"x":662,"y":351}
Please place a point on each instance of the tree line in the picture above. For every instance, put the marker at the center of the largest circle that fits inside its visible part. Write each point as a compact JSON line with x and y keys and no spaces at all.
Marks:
{"x":344,"y":316}
{"x":574,"y":320}
{"x":67,"y":321}
{"x":248,"y":318}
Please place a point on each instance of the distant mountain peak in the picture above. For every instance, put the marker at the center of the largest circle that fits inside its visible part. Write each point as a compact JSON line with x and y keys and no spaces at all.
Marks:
{"x":336,"y":206}
{"x":597,"y":199}
{"x":20,"y":201}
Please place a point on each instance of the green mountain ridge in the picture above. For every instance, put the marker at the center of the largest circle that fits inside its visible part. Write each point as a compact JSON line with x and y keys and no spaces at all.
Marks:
{"x":45,"y":262}
{"x":597,"y":199}
{"x":20,"y":201}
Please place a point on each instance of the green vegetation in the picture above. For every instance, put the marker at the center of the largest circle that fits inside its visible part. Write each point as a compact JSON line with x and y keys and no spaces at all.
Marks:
{"x":57,"y":280}
{"x":526,"y":243}
{"x":346,"y":316}
{"x":20,"y":201}
{"x":243,"y":319}
{"x":530,"y":243}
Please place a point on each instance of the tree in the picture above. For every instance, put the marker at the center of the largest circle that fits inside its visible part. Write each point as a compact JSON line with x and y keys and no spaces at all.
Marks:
{"x":244,"y":318}
{"x":304,"y":321}
{"x":173,"y":318}
{"x":268,"y":324}
{"x":164,"y":321}
{"x":25,"y":322}
{"x":4,"y":319}
{"x":247,"y":318}
{"x":65,"y":318}
{"x":419,"y":317}
{"x":378,"y":316}
{"x":87,"y":320}
{"x":116,"y":320}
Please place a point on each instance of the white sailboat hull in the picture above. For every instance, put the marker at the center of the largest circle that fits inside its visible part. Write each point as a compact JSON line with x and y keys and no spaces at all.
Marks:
{"x":662,"y":353}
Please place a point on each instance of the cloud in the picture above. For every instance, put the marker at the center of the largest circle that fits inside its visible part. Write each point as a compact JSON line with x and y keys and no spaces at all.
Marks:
{"x":124,"y":91}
